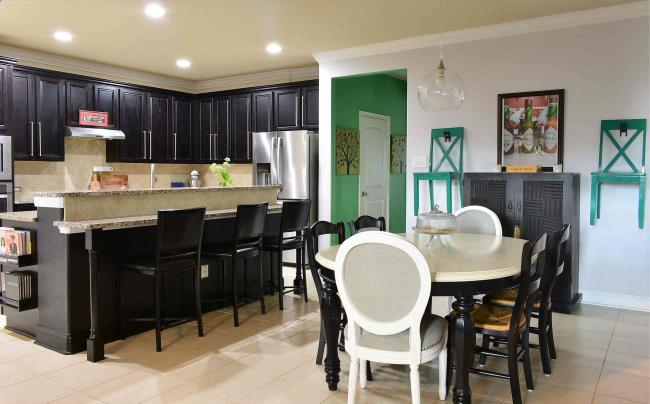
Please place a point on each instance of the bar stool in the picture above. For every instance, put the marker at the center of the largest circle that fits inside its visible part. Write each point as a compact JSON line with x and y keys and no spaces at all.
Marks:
{"x":178,"y":249}
{"x":294,"y":218}
{"x":246,"y":243}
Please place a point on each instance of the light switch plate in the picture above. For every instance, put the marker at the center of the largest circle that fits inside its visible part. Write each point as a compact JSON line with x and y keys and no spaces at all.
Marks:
{"x":419,"y":162}
{"x":204,"y":271}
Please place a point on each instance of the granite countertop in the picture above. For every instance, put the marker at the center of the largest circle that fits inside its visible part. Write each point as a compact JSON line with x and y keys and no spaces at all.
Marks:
{"x":116,"y":192}
{"x":27,"y":216}
{"x":137,"y":221}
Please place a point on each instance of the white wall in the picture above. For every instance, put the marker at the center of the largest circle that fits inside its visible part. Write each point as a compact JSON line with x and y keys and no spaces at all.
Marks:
{"x":604,"y":69}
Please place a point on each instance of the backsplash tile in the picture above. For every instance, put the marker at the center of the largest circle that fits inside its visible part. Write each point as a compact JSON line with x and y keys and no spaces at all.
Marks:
{"x":82,"y":154}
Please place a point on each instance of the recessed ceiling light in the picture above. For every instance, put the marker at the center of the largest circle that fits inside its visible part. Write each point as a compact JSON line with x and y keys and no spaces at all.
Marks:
{"x":63,"y":36}
{"x":273,"y":48}
{"x":154,"y":10}
{"x":183,"y":63}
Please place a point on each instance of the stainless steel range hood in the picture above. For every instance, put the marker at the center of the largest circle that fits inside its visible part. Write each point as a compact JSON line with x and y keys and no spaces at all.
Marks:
{"x":96,"y":133}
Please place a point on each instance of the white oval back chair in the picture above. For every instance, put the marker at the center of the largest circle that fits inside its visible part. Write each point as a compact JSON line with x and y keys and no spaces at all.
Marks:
{"x":478,"y":220}
{"x":384,"y":284}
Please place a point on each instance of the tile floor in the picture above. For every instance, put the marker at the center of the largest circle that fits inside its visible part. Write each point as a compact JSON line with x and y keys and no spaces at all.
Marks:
{"x":602,"y":358}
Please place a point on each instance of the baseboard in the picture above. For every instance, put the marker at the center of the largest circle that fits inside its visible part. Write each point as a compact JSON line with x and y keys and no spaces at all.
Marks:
{"x":619,"y":300}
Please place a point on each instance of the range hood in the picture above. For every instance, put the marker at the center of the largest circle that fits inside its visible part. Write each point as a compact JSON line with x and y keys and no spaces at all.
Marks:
{"x":96,"y":133}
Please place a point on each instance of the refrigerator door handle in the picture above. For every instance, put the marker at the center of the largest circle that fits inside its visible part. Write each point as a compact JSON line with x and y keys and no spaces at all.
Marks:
{"x":273,"y":161}
{"x":279,"y":161}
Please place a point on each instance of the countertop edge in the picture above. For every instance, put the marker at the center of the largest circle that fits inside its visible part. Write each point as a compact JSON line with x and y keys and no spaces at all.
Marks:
{"x":117,"y":192}
{"x":25,"y":216}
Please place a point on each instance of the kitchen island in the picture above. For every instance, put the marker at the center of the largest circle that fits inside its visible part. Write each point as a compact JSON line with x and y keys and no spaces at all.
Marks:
{"x":83,"y":236}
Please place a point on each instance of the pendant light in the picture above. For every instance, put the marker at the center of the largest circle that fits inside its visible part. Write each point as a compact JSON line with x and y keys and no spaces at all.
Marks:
{"x":441,"y":88}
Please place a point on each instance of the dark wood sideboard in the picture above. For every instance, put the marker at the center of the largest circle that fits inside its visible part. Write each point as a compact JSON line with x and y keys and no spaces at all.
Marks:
{"x":540,"y":203}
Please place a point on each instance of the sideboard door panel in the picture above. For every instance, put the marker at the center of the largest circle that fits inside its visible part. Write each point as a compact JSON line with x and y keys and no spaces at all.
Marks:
{"x":542,"y":208}
{"x":493,"y":194}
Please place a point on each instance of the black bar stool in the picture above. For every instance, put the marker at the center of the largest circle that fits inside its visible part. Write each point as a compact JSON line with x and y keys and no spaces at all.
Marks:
{"x":178,"y":249}
{"x":294,"y":218}
{"x":246,"y":243}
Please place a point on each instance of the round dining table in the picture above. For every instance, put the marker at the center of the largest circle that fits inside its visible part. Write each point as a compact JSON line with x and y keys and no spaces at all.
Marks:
{"x":462,"y":265}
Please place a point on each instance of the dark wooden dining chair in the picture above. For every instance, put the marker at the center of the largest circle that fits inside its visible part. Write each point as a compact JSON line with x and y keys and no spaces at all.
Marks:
{"x":542,"y":306}
{"x":293,"y":219}
{"x":366,"y":222}
{"x":178,"y":249}
{"x":246,"y":243}
{"x":511,"y":325}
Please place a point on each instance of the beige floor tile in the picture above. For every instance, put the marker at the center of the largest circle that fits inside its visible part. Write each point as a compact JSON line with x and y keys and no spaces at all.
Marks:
{"x":34,"y":391}
{"x":12,"y":373}
{"x":630,"y":364}
{"x":233,"y":381}
{"x":17,"y":349}
{"x":631,"y":346}
{"x":276,"y":359}
{"x":132,"y":388}
{"x":572,"y":376}
{"x":575,"y":355}
{"x":288,"y":391}
{"x":47,"y":361}
{"x":625,"y":386}
{"x":188,"y":395}
{"x":602,"y":399}
{"x":87,"y":374}
{"x":77,"y":398}
{"x":632,"y":330}
{"x":312,"y":373}
{"x":634,"y":317}
{"x":188,"y":371}
{"x":587,"y":340}
{"x":593,"y":311}
{"x":305,"y":341}
{"x":547,"y":393}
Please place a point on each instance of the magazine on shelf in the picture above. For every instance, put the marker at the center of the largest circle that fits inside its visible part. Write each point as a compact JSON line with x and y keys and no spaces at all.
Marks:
{"x":14,"y":242}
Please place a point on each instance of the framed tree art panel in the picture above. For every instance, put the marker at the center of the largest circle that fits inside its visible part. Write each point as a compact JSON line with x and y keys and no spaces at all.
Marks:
{"x":347,"y":151}
{"x":531,"y":129}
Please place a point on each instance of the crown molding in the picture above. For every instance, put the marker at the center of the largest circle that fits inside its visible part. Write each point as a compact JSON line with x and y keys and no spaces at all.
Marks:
{"x":82,"y":67}
{"x":538,"y":24}
{"x":257,"y":79}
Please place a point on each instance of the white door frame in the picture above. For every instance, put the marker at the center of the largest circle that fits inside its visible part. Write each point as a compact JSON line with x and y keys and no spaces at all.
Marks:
{"x":387,"y":172}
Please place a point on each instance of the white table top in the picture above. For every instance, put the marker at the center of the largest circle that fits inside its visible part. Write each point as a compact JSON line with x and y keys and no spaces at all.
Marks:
{"x":458,"y":257}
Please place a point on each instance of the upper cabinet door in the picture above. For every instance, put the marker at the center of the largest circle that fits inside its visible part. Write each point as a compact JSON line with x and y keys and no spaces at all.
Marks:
{"x":287,"y":109}
{"x":222,"y":128}
{"x":240,"y":132}
{"x":309,"y":104}
{"x":5,"y":78}
{"x":107,"y":100}
{"x":204,"y":135}
{"x":79,"y":95}
{"x":134,"y":146}
{"x":159,"y":127}
{"x":262,"y":115}
{"x":50,"y":117}
{"x":181,"y":140}
{"x":21,"y":122}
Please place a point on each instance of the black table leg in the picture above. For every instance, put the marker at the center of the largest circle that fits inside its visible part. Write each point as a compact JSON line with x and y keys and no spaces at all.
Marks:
{"x":95,"y":342}
{"x":330,"y":309}
{"x":464,"y":340}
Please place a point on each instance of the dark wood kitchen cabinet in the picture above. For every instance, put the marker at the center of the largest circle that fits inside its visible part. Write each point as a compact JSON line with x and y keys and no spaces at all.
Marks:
{"x":38,"y":116}
{"x":159,"y":108}
{"x":6,"y":65}
{"x":240,"y":131}
{"x":540,"y":203}
{"x":203,"y":134}
{"x":107,"y":99}
{"x":222,"y":128}
{"x":79,"y":96}
{"x":214,"y":128}
{"x":287,"y":108}
{"x":181,"y":139}
{"x":262,"y":111}
{"x":133,"y":148}
{"x":309,"y":106}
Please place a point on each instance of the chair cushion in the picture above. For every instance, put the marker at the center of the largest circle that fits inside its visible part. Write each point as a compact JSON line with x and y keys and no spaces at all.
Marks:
{"x":432,"y":334}
{"x":507,"y":297}
{"x":288,"y":243}
{"x":224,"y":250}
{"x":494,"y":318}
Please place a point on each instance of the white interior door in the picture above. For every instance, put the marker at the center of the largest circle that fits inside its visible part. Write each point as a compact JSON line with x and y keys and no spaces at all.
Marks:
{"x":374,"y":133}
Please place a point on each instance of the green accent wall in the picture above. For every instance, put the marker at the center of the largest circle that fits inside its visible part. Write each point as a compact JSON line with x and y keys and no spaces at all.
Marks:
{"x":381,"y":94}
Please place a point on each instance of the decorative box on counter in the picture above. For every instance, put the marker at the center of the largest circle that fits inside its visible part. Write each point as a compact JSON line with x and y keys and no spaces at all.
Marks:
{"x":103,"y":178}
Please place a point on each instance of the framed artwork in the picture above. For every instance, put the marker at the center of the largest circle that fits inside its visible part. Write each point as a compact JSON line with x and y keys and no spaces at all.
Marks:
{"x":93,"y":118}
{"x":397,"y":154}
{"x":347,"y":151}
{"x":531,"y":128}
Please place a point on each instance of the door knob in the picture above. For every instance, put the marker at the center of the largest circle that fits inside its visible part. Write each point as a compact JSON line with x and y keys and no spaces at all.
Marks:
{"x":364,"y":193}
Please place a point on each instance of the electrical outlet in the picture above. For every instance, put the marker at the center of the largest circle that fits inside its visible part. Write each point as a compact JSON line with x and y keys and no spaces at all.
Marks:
{"x":419,"y":162}
{"x":204,"y":271}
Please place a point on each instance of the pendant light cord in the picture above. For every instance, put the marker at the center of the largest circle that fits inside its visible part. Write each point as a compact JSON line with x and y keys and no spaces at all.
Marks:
{"x":441,"y":17}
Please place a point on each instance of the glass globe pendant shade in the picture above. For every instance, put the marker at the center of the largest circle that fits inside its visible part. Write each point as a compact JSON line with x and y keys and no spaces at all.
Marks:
{"x":441,"y":89}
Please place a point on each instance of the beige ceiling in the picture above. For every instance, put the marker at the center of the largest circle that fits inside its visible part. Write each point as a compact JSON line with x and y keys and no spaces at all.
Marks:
{"x":228,"y":37}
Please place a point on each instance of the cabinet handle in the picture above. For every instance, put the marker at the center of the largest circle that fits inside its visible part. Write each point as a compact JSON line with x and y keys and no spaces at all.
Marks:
{"x":40,"y":142}
{"x":31,"y":125}
{"x":509,"y":204}
{"x":296,"y":120}
{"x":174,"y":146}
{"x":302,"y":110}
{"x":144,"y":142}
{"x":150,"y":153}
{"x":211,"y":145}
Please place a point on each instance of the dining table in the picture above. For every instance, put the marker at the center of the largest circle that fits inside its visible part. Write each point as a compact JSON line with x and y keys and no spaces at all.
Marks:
{"x":462,"y":265}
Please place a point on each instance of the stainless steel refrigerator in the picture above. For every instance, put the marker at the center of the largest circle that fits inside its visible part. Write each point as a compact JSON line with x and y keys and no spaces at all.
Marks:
{"x":288,"y":159}
{"x":6,"y":175}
